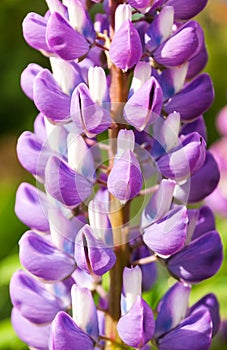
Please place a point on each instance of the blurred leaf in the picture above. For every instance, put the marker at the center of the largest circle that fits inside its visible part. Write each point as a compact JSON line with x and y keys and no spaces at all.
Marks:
{"x":8,"y":338}
{"x":7,"y":267}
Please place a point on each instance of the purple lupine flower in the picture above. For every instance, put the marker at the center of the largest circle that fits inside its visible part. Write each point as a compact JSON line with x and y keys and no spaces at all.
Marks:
{"x":126,"y":48}
{"x":136,"y":326}
{"x":119,"y":147}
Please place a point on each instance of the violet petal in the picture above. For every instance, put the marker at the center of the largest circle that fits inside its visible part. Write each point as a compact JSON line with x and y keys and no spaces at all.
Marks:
{"x":65,"y":41}
{"x":43,"y":259}
{"x":34,"y":31}
{"x":34,"y":335}
{"x":185,"y":10}
{"x":184,"y":160}
{"x":86,"y":113}
{"x":125,"y":179}
{"x":145,"y":105}
{"x":136,"y":327}
{"x":126,"y":48}
{"x":193,"y":100}
{"x":49,"y":98}
{"x":31,"y":298}
{"x":30,"y":200}
{"x":172,"y":308}
{"x":210,"y":302}
{"x":65,"y":334}
{"x":199,"y":260}
{"x":65,"y":184}
{"x":167,"y":235}
{"x":92,"y":254}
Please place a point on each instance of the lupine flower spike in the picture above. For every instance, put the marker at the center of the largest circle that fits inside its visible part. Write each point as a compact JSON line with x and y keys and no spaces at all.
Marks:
{"x":119,"y":151}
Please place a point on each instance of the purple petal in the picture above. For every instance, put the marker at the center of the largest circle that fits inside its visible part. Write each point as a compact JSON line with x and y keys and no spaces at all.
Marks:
{"x":27,"y":78}
{"x":34,"y":335}
{"x":210,"y":302}
{"x":199,"y":92}
{"x":200,"y":184}
{"x":159,"y":203}
{"x":49,"y":98}
{"x":172,"y":308}
{"x":30,"y":200}
{"x":86,"y":113}
{"x":65,"y":334}
{"x":143,"y":108}
{"x":92,"y":254}
{"x":43,"y":259}
{"x":125,"y":179}
{"x":136,"y":327}
{"x":178,"y":49}
{"x":205,"y":223}
{"x":64,"y":40}
{"x":197,"y":63}
{"x":186,"y":159}
{"x":139,"y":4}
{"x":184,"y":10}
{"x":126,"y":48}
{"x":30,"y":297}
{"x":40,"y":128}
{"x":197,"y":125}
{"x":195,"y":331}
{"x":167,"y":235}
{"x":34,"y":31}
{"x":32,"y":154}
{"x":199,"y":260}
{"x":160,"y":28}
{"x":66,"y":185}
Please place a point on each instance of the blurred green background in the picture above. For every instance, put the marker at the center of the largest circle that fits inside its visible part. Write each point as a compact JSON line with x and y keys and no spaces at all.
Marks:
{"x":17,"y":114}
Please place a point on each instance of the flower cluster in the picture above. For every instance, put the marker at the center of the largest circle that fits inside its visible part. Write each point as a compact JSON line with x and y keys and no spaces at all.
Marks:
{"x":118,"y":152}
